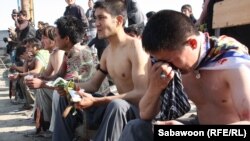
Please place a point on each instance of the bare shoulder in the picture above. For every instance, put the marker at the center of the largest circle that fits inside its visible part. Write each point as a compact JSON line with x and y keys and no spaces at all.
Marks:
{"x":59,"y":52}
{"x":241,"y":73}
{"x":134,"y":42}
{"x":134,"y":45}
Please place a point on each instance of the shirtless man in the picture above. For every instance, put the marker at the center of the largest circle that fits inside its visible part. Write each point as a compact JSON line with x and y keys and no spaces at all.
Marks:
{"x":55,"y":62}
{"x":126,"y":62}
{"x":55,"y":59}
{"x":217,"y":84}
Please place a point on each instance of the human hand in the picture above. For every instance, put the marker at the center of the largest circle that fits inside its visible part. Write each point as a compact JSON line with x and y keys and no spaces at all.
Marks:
{"x":34,"y":83}
{"x":13,"y":76}
{"x":86,"y":101}
{"x":61,"y":91}
{"x":14,"y":17}
{"x":13,"y":67}
{"x":161,"y":74}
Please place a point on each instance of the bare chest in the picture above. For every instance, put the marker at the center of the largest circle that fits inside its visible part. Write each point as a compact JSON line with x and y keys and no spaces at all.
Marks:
{"x":119,"y":66}
{"x":209,"y":88}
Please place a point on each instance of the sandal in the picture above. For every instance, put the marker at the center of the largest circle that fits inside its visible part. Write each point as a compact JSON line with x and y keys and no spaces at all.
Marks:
{"x":14,"y":102}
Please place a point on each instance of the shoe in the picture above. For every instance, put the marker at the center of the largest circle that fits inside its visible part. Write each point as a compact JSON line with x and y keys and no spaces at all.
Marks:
{"x":25,"y":107}
{"x":32,"y":134}
{"x":22,"y":101}
{"x":43,"y":134}
{"x":14,"y":102}
{"x":46,"y":134}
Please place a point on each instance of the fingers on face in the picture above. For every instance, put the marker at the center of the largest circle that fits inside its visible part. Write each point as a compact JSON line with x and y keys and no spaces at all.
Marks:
{"x":167,"y":71}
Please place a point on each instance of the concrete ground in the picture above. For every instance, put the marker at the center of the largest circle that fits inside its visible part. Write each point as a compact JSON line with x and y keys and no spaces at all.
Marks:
{"x":15,"y":124}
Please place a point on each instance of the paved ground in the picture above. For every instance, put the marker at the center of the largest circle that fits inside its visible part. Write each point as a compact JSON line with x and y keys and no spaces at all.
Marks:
{"x":15,"y":124}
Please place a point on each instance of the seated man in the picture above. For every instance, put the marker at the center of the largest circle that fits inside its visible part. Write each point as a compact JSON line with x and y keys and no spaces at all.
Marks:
{"x":44,"y":95}
{"x":126,"y":62}
{"x":209,"y":66}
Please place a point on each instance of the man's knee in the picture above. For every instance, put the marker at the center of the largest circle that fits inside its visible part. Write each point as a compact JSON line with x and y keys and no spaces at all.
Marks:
{"x":138,"y":124}
{"x":137,"y":130}
{"x":118,"y":105}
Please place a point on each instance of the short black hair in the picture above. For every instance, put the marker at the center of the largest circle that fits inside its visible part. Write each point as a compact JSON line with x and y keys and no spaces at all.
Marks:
{"x":134,"y":28}
{"x":34,"y":42}
{"x":113,"y":7}
{"x":150,"y":14}
{"x":5,"y":39}
{"x":20,"y":51}
{"x":72,"y":27}
{"x":167,"y":29}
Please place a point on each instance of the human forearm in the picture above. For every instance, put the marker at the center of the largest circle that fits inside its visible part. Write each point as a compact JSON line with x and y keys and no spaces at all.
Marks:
{"x":87,"y":86}
{"x":133,"y":96}
{"x":150,"y":104}
{"x":19,"y":69}
{"x":16,"y":68}
{"x":32,"y":72}
{"x":92,"y":85}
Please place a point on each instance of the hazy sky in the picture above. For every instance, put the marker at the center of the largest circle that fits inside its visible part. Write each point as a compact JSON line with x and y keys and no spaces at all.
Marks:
{"x":50,"y":10}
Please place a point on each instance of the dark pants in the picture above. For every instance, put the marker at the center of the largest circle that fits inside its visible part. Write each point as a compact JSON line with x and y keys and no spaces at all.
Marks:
{"x":64,"y":129}
{"x":116,"y":116}
{"x":140,"y":130}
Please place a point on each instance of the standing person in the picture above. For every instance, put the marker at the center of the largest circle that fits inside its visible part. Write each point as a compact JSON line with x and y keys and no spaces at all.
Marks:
{"x":202,"y":60}
{"x":77,"y":11}
{"x":90,"y":16}
{"x":23,"y":26}
{"x":125,"y":61}
{"x":134,"y":13}
{"x":40,"y":26}
{"x":187,"y":10}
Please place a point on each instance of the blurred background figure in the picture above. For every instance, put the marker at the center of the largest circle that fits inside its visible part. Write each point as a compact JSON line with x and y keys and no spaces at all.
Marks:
{"x":77,"y":11}
{"x":187,"y":10}
{"x":90,"y":16}
{"x":24,"y":27}
{"x":40,"y":26}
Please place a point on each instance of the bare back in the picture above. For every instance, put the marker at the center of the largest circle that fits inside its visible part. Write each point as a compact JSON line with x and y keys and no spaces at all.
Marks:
{"x":216,"y":96}
{"x":56,"y":60}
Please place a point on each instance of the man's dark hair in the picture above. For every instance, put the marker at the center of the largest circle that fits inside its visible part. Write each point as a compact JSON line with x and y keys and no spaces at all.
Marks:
{"x":150,"y":14}
{"x":34,"y":42}
{"x":167,"y":29}
{"x":41,"y":22}
{"x":134,"y":28}
{"x":114,"y":7}
{"x":20,"y":51}
{"x":72,"y":27}
{"x":5,"y":39}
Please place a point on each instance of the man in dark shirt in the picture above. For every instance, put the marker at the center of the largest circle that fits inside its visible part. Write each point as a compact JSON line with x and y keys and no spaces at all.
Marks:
{"x":76,"y":10}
